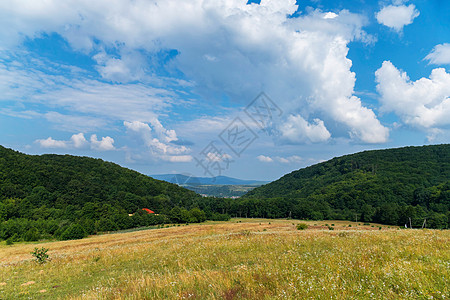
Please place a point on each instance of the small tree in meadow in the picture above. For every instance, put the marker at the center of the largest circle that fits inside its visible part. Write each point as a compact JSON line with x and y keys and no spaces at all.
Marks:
{"x":40,"y":255}
{"x":302,"y":226}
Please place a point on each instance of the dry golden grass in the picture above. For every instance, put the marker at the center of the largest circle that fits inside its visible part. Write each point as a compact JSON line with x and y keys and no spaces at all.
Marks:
{"x":243,"y":258}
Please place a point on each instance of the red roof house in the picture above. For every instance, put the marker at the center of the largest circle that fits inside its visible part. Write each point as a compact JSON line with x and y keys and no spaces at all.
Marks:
{"x":148,"y":211}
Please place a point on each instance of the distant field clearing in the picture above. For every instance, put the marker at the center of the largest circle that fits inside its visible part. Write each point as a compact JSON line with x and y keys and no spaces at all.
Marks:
{"x":242,"y":258}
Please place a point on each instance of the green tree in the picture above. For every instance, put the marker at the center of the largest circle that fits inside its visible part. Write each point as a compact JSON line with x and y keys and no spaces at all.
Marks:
{"x":198,"y":215}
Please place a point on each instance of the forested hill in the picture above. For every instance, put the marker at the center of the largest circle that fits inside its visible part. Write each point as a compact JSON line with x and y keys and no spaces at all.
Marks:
{"x":64,"y":196}
{"x":59,"y":181}
{"x":378,"y":185}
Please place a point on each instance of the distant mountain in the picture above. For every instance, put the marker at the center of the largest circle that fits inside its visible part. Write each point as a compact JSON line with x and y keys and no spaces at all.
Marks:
{"x":221,"y":191}
{"x":185,"y":180}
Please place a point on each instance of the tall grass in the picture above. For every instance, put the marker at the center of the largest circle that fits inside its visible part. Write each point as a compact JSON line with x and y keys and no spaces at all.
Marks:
{"x":234,"y":261}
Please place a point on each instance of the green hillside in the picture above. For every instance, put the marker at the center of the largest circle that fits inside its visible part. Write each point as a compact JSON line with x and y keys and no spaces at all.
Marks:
{"x":42,"y":196}
{"x":388,"y":186}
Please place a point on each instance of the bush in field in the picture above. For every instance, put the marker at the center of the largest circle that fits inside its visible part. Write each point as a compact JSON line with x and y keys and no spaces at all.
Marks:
{"x":40,"y":255}
{"x":73,"y":232}
{"x":302,"y":226}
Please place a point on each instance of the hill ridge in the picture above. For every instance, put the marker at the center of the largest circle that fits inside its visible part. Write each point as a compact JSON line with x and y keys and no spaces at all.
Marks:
{"x":65,"y":196}
{"x":387,"y":186}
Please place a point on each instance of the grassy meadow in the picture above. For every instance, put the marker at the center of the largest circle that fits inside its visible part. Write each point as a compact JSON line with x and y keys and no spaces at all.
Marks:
{"x":239,"y":259}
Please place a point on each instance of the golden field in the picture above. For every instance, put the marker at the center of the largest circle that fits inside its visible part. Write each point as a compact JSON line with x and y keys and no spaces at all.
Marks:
{"x":239,"y":259}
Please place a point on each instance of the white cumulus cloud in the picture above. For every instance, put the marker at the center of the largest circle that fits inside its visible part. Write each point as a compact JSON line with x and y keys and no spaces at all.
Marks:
{"x":105,"y":144}
{"x":78,"y":141}
{"x":263,"y":158}
{"x":158,"y":140}
{"x":298,"y":130}
{"x":397,"y":16}
{"x":330,"y":15}
{"x":424,"y":103}
{"x":440,"y":55}
{"x":51,"y":143}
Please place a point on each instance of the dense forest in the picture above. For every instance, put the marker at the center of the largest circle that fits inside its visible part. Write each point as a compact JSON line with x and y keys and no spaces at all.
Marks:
{"x":64,"y":196}
{"x":386,"y":186}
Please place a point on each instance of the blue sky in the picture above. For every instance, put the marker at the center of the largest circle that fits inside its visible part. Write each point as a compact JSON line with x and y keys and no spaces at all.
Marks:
{"x":223,"y":87}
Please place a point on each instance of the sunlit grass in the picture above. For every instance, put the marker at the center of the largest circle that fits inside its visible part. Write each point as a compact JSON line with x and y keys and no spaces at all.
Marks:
{"x":243,"y":258}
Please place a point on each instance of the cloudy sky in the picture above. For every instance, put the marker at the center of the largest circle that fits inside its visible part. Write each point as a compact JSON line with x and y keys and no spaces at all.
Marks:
{"x":223,"y":87}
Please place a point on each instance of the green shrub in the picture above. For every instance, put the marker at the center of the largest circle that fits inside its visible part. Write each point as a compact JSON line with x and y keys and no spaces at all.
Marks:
{"x":330,"y":228}
{"x":302,"y":226}
{"x":40,"y":255}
